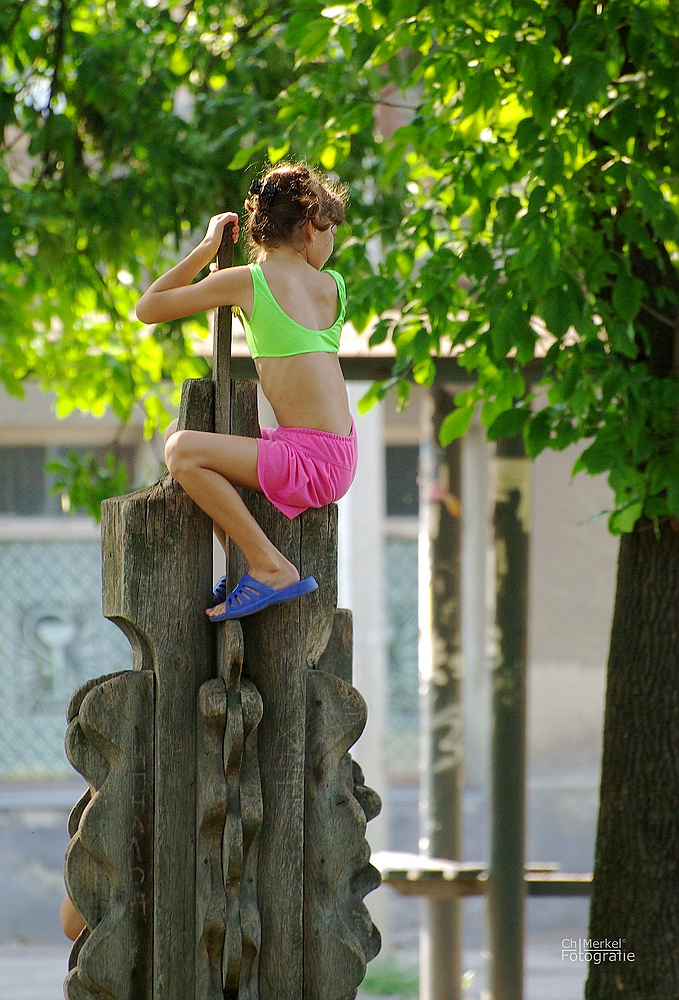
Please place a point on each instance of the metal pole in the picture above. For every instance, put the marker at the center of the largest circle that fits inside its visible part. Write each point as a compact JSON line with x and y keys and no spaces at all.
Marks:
{"x":506,"y":890}
{"x":443,"y":715}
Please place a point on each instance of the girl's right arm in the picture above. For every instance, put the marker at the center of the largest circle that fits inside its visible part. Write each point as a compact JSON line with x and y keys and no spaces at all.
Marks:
{"x":172,"y":296}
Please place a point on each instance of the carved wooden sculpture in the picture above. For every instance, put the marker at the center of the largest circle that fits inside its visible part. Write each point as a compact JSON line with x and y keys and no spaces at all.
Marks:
{"x":229,"y":818}
{"x":109,"y":860}
{"x":315,"y":917}
{"x":220,"y":851}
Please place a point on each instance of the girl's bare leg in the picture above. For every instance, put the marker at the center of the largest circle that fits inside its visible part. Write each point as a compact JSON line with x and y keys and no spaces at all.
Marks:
{"x":71,"y":921}
{"x":209,"y":466}
{"x":218,"y":530}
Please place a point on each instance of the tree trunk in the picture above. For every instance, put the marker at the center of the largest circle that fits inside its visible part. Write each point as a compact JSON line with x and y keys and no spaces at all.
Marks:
{"x":634,"y":919}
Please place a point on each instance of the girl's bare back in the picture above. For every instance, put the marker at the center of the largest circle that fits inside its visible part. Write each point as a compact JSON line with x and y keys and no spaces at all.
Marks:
{"x":304,"y":390}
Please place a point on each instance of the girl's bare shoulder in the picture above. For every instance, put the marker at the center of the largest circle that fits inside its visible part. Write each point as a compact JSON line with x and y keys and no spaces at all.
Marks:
{"x":230,"y":286}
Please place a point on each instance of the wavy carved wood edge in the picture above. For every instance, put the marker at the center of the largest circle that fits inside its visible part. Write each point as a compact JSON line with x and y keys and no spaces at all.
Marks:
{"x":109,"y":865}
{"x":339,"y":935}
{"x":157,"y":568}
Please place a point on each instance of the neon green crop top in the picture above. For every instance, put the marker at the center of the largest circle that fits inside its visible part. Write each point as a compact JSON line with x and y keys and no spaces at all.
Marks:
{"x":270,"y":333}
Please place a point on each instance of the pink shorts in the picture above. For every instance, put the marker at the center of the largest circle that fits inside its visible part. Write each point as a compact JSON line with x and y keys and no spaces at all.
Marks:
{"x":300,"y":468}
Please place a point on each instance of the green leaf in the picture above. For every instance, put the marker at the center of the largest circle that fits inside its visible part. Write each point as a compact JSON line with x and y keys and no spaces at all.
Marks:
{"x":83,"y":483}
{"x":241,"y":159}
{"x":561,"y":309}
{"x":622,"y":522}
{"x":601,"y":456}
{"x":374,"y":395}
{"x":552,"y":167}
{"x":424,"y":372}
{"x":402,"y":395}
{"x":481,"y":92}
{"x":510,"y":325}
{"x":277,"y":152}
{"x":623,"y":338}
{"x":477,"y":260}
{"x":380,"y":333}
{"x":537,"y":432}
{"x":589,"y":78}
{"x":528,"y":132}
{"x":308,"y":34}
{"x":179,"y":64}
{"x":455,"y":425}
{"x":628,"y":292}
{"x":509,"y":424}
{"x":365,"y":18}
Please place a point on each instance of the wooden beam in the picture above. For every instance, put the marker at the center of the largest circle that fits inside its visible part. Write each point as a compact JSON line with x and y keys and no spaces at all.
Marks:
{"x":436,"y":878}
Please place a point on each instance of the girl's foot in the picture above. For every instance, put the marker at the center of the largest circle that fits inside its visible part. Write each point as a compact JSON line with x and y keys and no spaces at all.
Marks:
{"x":250,"y":595}
{"x":282,"y":576}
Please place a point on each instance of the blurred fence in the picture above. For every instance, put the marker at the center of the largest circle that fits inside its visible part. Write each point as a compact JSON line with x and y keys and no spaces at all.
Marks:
{"x":402,"y":635}
{"x":52,"y":638}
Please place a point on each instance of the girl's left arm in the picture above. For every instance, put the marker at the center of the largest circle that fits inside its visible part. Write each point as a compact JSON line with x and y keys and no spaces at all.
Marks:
{"x":172,"y":296}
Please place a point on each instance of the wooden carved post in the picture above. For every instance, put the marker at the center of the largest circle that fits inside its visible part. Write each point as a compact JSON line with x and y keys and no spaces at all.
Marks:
{"x":312,"y":876}
{"x":220,"y":850}
{"x":157,"y":564}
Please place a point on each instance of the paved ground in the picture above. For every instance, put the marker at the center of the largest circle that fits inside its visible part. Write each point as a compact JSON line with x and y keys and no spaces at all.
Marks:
{"x":36,"y":972}
{"x":32,"y":972}
{"x":33,"y":838}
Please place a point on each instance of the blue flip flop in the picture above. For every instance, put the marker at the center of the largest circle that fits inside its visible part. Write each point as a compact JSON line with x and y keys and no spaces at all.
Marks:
{"x":250,"y":596}
{"x":219,"y":593}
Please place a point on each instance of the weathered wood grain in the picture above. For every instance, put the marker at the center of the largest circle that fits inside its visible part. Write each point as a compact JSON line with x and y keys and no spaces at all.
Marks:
{"x":157,"y":568}
{"x":217,"y":928}
{"x":337,"y":655}
{"x":109,"y":867}
{"x":277,"y":649}
{"x":243,"y":932}
{"x":210,"y":821}
{"x":251,"y":809}
{"x":275,"y":664}
{"x":87,"y":760}
{"x":221,"y":345}
{"x":242,"y":903}
{"x":339,"y":936}
{"x":228,"y":822}
{"x":368,"y":799}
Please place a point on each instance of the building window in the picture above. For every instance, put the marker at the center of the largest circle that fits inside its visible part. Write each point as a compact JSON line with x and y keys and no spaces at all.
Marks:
{"x":22,"y":482}
{"x":402,"y":464}
{"x":25,"y":484}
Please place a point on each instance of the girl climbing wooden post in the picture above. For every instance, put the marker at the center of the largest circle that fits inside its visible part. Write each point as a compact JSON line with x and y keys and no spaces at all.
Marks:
{"x":293,"y":315}
{"x":262,"y":895}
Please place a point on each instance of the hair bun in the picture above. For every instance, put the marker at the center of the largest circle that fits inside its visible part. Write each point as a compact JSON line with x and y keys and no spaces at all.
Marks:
{"x":287,"y":196}
{"x":265,"y":192}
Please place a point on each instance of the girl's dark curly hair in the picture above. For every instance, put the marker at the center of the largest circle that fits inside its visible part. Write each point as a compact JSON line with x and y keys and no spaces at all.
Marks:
{"x":286,"y":197}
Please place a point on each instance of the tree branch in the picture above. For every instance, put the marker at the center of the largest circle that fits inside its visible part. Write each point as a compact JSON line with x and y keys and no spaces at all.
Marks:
{"x":379,"y":103}
{"x":658,"y":316}
{"x":60,"y":41}
{"x":48,"y":160}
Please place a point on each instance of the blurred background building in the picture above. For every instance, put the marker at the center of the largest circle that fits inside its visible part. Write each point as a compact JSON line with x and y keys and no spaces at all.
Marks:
{"x":53,"y":637}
